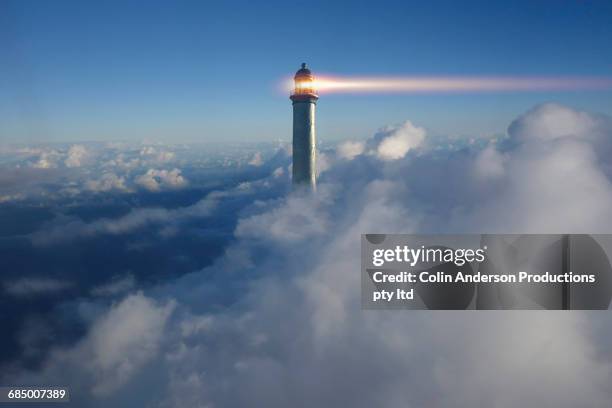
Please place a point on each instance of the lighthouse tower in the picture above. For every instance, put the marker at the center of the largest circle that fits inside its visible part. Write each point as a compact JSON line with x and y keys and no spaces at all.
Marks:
{"x":304,"y":139}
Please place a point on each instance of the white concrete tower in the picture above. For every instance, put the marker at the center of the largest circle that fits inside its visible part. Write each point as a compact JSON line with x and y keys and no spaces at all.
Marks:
{"x":304,"y":100}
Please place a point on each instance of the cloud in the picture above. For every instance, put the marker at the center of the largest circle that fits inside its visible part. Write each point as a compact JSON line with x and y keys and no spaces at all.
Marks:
{"x":157,"y":156}
{"x":124,"y":340}
{"x":551,"y":174}
{"x":311,"y":289}
{"x":256,"y":160}
{"x":115,"y":286}
{"x":76,"y":155}
{"x":35,"y":286}
{"x":551,"y":121}
{"x":156,"y":180}
{"x":40,"y":173}
{"x":278,"y":172}
{"x":47,"y":160}
{"x":68,"y":228}
{"x":147,"y":151}
{"x":165,"y":156}
{"x":6,"y":198}
{"x":295,"y":221}
{"x":107,"y":182}
{"x":395,"y":141}
{"x":124,"y":161}
{"x":349,"y":150}
{"x":118,"y":346}
{"x":291,"y":327}
{"x":323,"y":163}
{"x":489,"y":163}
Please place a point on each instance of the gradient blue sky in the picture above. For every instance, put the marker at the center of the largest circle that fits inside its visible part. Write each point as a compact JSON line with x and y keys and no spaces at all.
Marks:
{"x":209,"y":71}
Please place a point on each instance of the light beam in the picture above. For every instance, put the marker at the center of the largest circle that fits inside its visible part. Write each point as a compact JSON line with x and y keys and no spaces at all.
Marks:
{"x":456,"y":84}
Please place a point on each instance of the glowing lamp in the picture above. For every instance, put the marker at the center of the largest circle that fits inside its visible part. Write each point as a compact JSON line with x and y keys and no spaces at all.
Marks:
{"x":304,"y":82}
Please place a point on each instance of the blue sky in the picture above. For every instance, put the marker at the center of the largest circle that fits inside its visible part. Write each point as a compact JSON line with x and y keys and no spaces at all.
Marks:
{"x":209,"y":71}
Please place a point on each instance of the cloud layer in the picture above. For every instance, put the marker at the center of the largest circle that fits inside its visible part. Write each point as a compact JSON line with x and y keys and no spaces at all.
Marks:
{"x":276,"y":320}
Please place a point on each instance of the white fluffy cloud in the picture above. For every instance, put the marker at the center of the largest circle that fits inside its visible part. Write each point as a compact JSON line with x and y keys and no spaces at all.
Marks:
{"x":395,"y":141}
{"x":489,"y":164}
{"x":298,"y":336}
{"x":107,"y":182}
{"x":76,"y":155}
{"x":154,"y":155}
{"x":156,"y":180}
{"x":47,"y":160}
{"x":553,"y":121}
{"x":552,"y":180}
{"x":118,"y":346}
{"x":298,"y":219}
{"x":122,"y":341}
{"x":50,"y":158}
{"x":350,"y":149}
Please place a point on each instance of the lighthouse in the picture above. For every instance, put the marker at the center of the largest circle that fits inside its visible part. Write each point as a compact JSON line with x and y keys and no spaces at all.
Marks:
{"x":304,"y":100}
